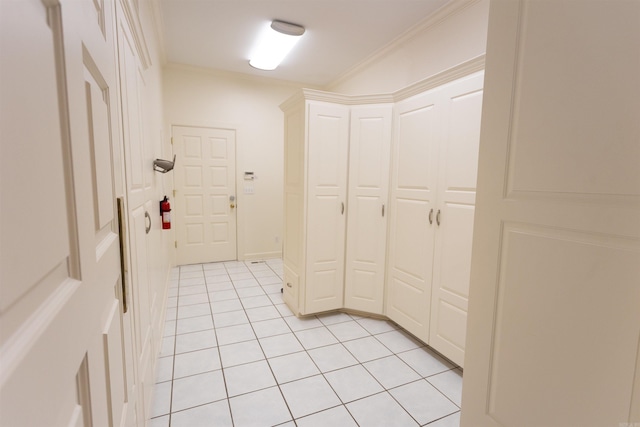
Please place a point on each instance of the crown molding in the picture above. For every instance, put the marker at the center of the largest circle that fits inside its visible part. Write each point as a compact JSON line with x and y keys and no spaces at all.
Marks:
{"x":449,"y":9}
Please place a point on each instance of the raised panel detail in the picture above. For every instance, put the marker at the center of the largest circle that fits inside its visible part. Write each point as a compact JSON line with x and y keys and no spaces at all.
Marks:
{"x":549,"y":300}
{"x":220,"y":232}
{"x":195,"y":234}
{"x":193,"y":176}
{"x":219,"y":205}
{"x":412,"y":246}
{"x":192,"y":148}
{"x":219,"y":147}
{"x":543,"y":153}
{"x":219,"y":177}
{"x":415,"y":129}
{"x":461,"y":168}
{"x":193,"y":205}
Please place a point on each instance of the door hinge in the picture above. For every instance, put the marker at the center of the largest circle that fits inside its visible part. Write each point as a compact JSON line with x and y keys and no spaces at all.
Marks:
{"x":171,"y":140}
{"x":174,"y":194}
{"x":175,"y":243}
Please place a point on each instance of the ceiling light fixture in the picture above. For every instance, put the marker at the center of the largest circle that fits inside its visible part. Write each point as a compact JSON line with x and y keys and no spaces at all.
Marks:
{"x":275,"y":44}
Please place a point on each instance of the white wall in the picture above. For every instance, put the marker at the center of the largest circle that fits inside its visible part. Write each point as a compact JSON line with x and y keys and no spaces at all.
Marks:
{"x":454,"y":35}
{"x":251,"y":105}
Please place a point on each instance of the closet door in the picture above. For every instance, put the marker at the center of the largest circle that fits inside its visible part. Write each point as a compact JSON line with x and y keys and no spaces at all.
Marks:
{"x":370,"y":143}
{"x":412,"y":221}
{"x":328,"y":139}
{"x":461,"y":104}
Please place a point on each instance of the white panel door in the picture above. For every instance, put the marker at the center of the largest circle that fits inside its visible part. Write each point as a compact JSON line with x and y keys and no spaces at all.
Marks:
{"x":61,"y":340}
{"x":412,"y":220}
{"x":461,"y":103}
{"x":554,"y":305}
{"x":205,"y":205}
{"x":328,"y":139}
{"x":369,"y":146}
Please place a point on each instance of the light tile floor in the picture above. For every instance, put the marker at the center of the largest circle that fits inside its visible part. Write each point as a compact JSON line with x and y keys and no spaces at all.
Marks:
{"x":233,"y":354}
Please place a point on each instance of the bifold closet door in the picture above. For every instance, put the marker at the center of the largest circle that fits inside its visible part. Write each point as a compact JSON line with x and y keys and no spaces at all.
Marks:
{"x":461,"y":104}
{"x":328,"y":141}
{"x":369,"y":147}
{"x":412,"y":220}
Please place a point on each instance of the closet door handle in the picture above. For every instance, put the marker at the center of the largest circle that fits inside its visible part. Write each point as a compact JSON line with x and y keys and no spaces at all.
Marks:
{"x":342,"y":211}
{"x":438,"y":217}
{"x":431,"y":217}
{"x":147,"y":227}
{"x":382,"y":210}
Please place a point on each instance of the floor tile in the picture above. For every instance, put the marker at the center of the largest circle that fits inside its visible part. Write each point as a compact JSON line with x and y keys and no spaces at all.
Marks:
{"x":449,"y":383}
{"x":213,"y":266}
{"x":279,"y":345}
{"x":230,"y":318}
{"x":240,"y":276}
{"x":424,"y":361}
{"x":284,"y":310}
{"x":309,"y":395}
{"x":234,"y":334}
{"x":335,"y":317}
{"x":168,"y":346}
{"x":262,"y":313}
{"x":194,"y":324}
{"x":348,"y":330}
{"x":192,"y":281}
{"x":225,"y":306}
{"x":256,"y":301}
{"x":263,"y":273}
{"x":217,"y":278}
{"x":195,"y":341}
{"x":380,"y":410}
{"x":337,"y":417}
{"x":169,"y":328}
{"x":193,"y":299}
{"x":271,"y":280}
{"x":423,"y":402}
{"x":293,"y":367}
{"x":376,"y":326}
{"x":366,"y":349}
{"x":450,"y":421}
{"x":224,"y":295}
{"x":220,"y":286}
{"x":194,"y":310}
{"x":192,"y":290}
{"x":250,"y":292}
{"x":398,"y":341}
{"x":237,"y":354}
{"x":332,"y":357}
{"x":245,"y":283}
{"x":316,"y":337}
{"x":267,"y":328}
{"x":212,"y":414}
{"x":164,"y":369}
{"x":196,"y":362}
{"x":248,"y":377}
{"x":172,"y":302}
{"x":353,"y":383}
{"x":391,"y":371}
{"x":197,"y":390}
{"x":260,"y":408}
{"x":161,"y":404}
{"x":186,"y":269}
{"x":272,"y":289}
{"x":159,"y":421}
{"x":300,"y":323}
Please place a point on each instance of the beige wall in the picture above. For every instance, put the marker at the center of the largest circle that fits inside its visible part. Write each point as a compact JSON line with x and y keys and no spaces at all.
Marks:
{"x":251,"y":106}
{"x":454,"y":35}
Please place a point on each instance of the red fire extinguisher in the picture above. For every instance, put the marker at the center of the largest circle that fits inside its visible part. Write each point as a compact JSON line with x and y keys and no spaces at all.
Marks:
{"x":165,"y":212}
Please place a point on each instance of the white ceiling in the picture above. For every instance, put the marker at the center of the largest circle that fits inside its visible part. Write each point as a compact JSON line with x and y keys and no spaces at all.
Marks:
{"x":220,"y":34}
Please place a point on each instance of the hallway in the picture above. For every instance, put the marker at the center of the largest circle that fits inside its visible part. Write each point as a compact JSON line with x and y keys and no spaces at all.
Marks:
{"x":233,"y":354}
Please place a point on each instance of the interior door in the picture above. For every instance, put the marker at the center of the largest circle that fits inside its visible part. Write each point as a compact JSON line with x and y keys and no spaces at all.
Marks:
{"x":462,"y":106}
{"x":412,"y":220}
{"x":205,"y":194}
{"x":61,"y":351}
{"x":369,"y":147}
{"x":554,"y":319}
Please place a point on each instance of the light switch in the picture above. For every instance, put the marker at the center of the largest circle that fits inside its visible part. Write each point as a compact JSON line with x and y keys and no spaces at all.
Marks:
{"x":248,"y":189}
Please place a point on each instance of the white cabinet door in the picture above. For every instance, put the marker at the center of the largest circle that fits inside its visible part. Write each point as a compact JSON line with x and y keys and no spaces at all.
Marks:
{"x":461,"y":104}
{"x":412,"y":221}
{"x":554,"y":316}
{"x":369,"y":146}
{"x":328,"y":139}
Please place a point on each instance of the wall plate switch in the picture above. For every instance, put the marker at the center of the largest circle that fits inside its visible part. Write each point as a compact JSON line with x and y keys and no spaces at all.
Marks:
{"x":248,"y":189}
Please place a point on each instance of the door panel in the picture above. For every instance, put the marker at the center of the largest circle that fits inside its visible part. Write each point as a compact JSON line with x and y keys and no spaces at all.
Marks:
{"x":60,"y":249}
{"x":412,"y":220}
{"x":554,"y":275}
{"x":326,"y":214}
{"x":369,"y":145}
{"x":462,"y":104}
{"x":204,"y":177}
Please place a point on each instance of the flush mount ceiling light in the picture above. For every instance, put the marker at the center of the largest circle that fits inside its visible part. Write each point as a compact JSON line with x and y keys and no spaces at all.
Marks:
{"x":275,"y":43}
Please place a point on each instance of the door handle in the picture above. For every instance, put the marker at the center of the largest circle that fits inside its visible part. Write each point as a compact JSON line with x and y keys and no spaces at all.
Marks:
{"x":383,"y":210}
{"x":232,"y":205}
{"x":431,"y":217}
{"x":438,"y":217}
{"x":342,"y":211}
{"x":121,"y":238}
{"x":147,"y":217}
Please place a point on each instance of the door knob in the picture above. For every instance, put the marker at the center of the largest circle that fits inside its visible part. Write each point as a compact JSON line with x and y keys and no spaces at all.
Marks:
{"x":232,"y":205}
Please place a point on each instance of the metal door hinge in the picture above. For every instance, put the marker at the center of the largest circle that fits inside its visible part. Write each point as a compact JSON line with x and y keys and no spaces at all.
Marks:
{"x":175,"y":243}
